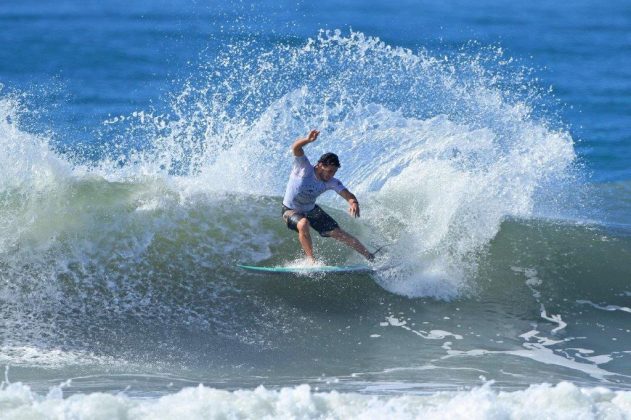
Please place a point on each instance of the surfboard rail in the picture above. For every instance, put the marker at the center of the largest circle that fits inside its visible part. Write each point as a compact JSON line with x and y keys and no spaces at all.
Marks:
{"x":355,"y":268}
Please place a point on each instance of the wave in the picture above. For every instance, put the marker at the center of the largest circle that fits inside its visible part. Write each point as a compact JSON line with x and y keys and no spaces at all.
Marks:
{"x":564,"y":400}
{"x":439,"y":149}
{"x":99,"y":247}
{"x":453,"y":158}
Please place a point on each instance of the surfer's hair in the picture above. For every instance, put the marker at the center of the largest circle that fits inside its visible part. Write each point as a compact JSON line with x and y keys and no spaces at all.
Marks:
{"x":330,"y":159}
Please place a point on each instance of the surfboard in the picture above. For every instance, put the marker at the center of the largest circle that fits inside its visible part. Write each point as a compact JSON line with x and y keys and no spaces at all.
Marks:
{"x":357,"y":268}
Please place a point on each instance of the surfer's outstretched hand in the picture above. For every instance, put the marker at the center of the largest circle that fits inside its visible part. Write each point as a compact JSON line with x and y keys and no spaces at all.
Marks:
{"x":313,"y":136}
{"x":354,"y":208}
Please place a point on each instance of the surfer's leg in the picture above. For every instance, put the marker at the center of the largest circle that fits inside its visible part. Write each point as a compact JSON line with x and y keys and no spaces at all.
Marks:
{"x":298,"y":222}
{"x":304,"y":236}
{"x":351,"y":241}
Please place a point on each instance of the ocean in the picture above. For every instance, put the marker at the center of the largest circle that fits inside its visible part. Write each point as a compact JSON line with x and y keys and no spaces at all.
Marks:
{"x":145,"y":149}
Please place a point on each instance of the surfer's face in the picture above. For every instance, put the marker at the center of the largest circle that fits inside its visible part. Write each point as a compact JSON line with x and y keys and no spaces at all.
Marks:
{"x":325,"y":172}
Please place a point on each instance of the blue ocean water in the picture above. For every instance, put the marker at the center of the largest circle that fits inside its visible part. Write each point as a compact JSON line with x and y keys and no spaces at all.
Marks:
{"x":145,"y":153}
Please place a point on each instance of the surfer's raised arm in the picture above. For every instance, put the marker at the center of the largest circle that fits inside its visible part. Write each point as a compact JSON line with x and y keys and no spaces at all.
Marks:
{"x":296,"y":148}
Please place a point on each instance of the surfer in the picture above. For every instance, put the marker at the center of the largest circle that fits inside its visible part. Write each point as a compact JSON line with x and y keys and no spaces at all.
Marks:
{"x":306,"y":183}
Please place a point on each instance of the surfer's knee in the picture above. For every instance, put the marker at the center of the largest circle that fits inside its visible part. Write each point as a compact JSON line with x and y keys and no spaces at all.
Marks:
{"x":303,"y":225}
{"x":335,"y":233}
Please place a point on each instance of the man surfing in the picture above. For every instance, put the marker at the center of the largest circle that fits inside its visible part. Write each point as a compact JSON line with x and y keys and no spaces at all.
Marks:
{"x":306,"y":183}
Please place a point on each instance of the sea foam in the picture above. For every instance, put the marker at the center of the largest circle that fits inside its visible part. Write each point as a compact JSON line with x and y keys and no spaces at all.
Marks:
{"x":562,"y":401}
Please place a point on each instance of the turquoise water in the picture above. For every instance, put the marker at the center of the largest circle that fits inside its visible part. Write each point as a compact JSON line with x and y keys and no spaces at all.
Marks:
{"x":145,"y":150}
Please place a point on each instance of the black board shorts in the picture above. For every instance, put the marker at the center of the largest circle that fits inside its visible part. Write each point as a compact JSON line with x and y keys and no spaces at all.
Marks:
{"x":318,"y":219}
